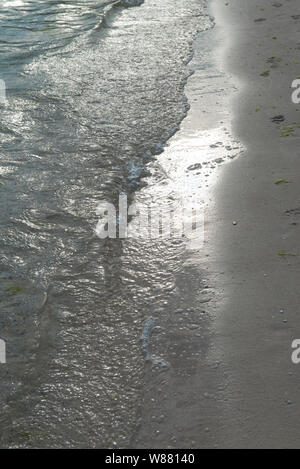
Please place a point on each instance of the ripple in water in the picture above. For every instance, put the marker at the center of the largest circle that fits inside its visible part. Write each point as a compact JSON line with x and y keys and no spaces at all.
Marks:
{"x":90,"y":104}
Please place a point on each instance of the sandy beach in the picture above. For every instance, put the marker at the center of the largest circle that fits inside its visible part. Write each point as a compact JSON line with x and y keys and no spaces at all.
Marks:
{"x":163,"y":342}
{"x":258,"y":315}
{"x":244,"y":391}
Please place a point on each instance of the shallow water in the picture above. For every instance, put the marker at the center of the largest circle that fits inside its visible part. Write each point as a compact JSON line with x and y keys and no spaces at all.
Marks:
{"x":93,"y":91}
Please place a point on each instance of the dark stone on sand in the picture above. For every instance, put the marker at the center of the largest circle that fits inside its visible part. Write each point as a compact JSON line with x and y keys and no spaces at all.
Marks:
{"x":293,"y":211}
{"x":278,"y":119}
{"x":194,"y":166}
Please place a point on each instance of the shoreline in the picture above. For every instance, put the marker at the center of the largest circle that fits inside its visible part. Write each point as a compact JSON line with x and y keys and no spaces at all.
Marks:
{"x":243,"y":389}
{"x":155,"y":342}
{"x":181,"y":409}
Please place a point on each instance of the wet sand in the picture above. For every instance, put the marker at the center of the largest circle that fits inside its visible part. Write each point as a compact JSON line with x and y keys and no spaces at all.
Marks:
{"x":257,"y":259}
{"x":243,"y":389}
